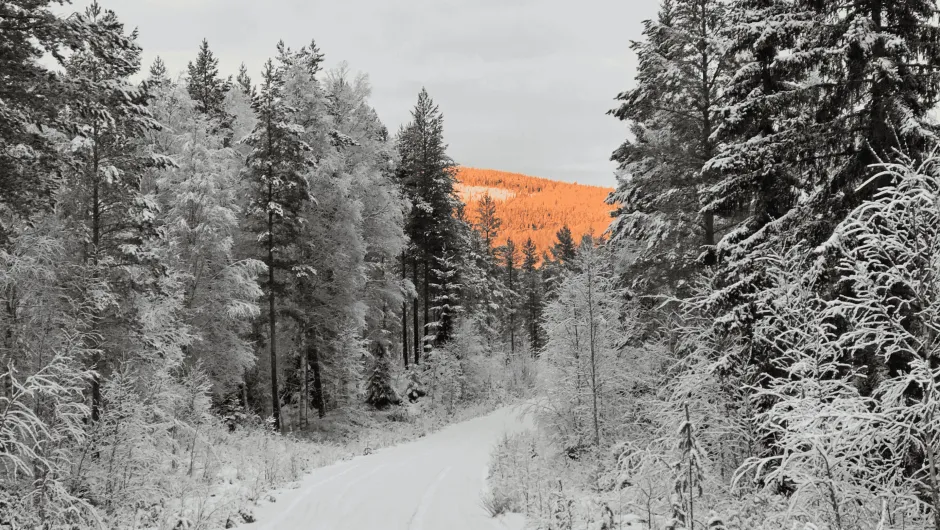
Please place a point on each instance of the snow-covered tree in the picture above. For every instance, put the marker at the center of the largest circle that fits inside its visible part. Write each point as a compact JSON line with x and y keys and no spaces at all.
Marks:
{"x":277,"y":169}
{"x":583,"y":364}
{"x":426,"y":174}
{"x":200,"y":209}
{"x":684,"y":64}
{"x":204,"y":85}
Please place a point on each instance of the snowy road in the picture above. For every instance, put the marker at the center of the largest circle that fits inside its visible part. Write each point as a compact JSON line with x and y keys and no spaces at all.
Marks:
{"x":433,"y":483}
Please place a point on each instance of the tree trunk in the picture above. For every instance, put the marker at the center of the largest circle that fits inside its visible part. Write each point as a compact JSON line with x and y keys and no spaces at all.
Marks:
{"x":95,"y":246}
{"x":592,"y":339}
{"x":404,"y":315}
{"x":512,"y":315}
{"x":708,"y":218}
{"x":427,"y":304}
{"x":304,"y":391}
{"x":314,"y":360}
{"x":416,"y":331}
{"x":934,"y":480}
{"x":245,"y":391}
{"x":272,"y":317}
{"x":691,"y":487}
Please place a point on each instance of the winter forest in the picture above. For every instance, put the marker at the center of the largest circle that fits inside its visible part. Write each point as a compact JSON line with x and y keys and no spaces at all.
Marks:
{"x":243,"y":302}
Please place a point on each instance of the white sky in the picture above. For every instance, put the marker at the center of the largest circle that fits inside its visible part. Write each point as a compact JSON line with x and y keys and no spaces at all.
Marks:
{"x":523,"y":84}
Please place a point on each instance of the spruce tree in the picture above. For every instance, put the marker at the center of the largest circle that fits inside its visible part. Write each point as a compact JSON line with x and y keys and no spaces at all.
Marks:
{"x":564,"y":250}
{"x":158,"y":74}
{"x":427,"y":176}
{"x":510,"y":255}
{"x":532,"y":294}
{"x":822,"y":92}
{"x":684,"y":63}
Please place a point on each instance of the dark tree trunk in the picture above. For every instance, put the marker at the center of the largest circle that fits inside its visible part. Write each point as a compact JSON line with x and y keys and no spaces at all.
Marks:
{"x":313,"y":357}
{"x":417,"y":323}
{"x":95,"y":248}
{"x":427,"y":303}
{"x":272,"y":317}
{"x":404,"y":314}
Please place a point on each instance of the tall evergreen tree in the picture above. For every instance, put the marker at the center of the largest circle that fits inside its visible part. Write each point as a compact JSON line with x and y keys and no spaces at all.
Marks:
{"x":105,"y":202}
{"x":532,"y":294}
{"x":823,"y":92}
{"x":684,"y":63}
{"x":244,"y":81}
{"x":564,"y":250}
{"x":204,"y":84}
{"x":510,"y":256}
{"x":276,"y":170}
{"x":34,"y":96}
{"x":158,"y":75}
{"x":488,"y":223}
{"x":427,"y":176}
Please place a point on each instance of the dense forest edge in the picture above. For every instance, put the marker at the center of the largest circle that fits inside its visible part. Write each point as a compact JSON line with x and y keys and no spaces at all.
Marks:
{"x":210,"y":285}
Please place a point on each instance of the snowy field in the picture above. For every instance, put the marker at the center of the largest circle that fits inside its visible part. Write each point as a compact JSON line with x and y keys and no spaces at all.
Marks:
{"x":434,"y":483}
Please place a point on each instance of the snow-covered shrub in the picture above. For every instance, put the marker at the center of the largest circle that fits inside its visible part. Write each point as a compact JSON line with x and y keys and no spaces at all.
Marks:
{"x":520,"y":476}
{"x":444,"y":375}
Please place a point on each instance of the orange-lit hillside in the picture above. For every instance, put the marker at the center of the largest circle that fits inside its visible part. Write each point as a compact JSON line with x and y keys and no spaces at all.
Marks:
{"x":535,"y":207}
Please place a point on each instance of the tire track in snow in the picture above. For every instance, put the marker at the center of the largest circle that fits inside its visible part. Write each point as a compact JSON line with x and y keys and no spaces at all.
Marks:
{"x":426,"y":500}
{"x":303,"y":496}
{"x":343,"y":494}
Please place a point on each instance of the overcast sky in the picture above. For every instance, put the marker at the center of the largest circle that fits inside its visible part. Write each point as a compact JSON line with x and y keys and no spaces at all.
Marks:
{"x":523,"y":84}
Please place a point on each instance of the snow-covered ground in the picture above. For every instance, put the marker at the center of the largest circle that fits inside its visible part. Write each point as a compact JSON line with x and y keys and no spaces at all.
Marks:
{"x":434,"y":483}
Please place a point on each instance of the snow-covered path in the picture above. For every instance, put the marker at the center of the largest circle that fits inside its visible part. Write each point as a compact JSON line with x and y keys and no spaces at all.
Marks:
{"x":433,"y":483}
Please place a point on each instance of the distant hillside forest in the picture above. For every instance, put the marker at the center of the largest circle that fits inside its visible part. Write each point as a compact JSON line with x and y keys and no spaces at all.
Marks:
{"x":535,"y":207}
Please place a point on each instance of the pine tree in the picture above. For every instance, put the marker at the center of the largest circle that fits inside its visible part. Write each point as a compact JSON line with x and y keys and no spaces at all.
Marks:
{"x":34,"y":96}
{"x":279,"y":192}
{"x":105,"y":200}
{"x":204,"y":84}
